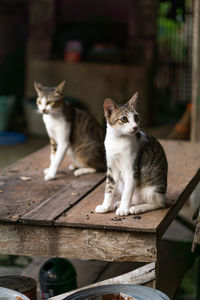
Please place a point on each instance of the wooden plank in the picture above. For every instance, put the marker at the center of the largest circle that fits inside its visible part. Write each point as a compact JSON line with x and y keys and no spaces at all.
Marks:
{"x":141,"y":275}
{"x":83,"y":215}
{"x":195,"y":123}
{"x":114,"y":269}
{"x":20,"y":196}
{"x":196,"y":239}
{"x":52,"y":207}
{"x":40,"y":201}
{"x":26,"y":195}
{"x":19,"y":239}
{"x":183,"y":160}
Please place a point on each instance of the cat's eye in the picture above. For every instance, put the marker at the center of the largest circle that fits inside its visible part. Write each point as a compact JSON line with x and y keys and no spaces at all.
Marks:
{"x":50,"y":102}
{"x":39,"y":102}
{"x":124,"y":119}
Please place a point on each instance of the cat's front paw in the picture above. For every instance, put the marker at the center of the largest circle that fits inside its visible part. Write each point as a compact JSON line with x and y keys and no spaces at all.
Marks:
{"x":101,"y":209}
{"x":122,"y":211}
{"x":46,"y":171}
{"x":49,"y":176}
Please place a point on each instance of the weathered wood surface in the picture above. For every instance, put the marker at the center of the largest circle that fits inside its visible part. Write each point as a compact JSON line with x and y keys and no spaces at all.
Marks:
{"x":57,"y":218}
{"x":77,"y":243}
{"x":69,"y":201}
{"x":26,"y":197}
{"x":184,"y":162}
{"x":141,"y":275}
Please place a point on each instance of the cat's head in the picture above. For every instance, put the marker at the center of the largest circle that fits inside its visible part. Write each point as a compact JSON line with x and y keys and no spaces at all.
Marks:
{"x":123,"y":117}
{"x":49,"y":99}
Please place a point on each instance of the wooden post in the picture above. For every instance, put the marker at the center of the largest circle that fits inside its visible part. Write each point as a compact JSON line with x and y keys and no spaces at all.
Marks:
{"x":196,"y":239}
{"x":195,"y":124}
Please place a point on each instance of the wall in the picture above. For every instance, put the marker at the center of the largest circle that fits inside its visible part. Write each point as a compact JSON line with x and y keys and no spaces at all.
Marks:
{"x":91,"y":82}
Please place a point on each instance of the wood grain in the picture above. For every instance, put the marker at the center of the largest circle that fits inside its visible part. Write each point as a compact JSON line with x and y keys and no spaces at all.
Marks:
{"x":27,"y":197}
{"x":77,"y":231}
{"x":60,"y":202}
{"x":183,"y":176}
{"x":77,"y":243}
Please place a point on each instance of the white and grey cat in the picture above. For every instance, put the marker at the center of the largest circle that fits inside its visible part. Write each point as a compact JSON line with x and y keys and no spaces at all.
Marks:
{"x":70,"y":130}
{"x":136,"y":162}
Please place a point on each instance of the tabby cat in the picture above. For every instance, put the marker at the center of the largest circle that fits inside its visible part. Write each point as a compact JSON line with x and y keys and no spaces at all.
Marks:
{"x":136,"y":162}
{"x":72,"y":131}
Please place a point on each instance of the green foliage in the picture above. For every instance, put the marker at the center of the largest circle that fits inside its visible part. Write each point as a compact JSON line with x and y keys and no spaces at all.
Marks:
{"x":188,"y":288}
{"x":170,"y":32}
{"x":14,"y":260}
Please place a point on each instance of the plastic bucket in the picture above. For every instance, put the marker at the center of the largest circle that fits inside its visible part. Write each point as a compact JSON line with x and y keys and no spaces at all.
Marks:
{"x":118,"y":291}
{"x":6,"y":105}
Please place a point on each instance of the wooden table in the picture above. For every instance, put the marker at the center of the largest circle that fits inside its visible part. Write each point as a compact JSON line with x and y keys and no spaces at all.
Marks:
{"x":57,"y":218}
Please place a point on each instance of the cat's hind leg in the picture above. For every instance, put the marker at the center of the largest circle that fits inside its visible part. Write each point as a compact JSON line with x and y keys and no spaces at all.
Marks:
{"x":150,"y":200}
{"x":142,"y":208}
{"x":84,"y":171}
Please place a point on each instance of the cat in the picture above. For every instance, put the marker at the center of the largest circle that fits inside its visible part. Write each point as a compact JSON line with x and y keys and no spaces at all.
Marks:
{"x":72,"y":131}
{"x":136,"y":162}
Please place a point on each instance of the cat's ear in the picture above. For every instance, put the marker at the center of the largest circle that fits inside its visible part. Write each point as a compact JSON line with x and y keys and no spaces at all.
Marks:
{"x":109,"y":106}
{"x":38,"y":87}
{"x":60,"y":87}
{"x":133,"y":101}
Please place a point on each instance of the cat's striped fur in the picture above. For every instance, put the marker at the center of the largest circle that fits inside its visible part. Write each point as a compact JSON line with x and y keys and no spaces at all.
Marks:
{"x":70,"y":130}
{"x":136,"y":162}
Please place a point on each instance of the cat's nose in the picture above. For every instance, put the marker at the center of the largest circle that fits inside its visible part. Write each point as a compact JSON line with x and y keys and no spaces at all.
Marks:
{"x":135,"y":127}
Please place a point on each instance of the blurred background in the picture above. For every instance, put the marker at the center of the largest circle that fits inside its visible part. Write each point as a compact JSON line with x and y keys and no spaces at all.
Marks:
{"x":102,"y":48}
{"x":107,"y":48}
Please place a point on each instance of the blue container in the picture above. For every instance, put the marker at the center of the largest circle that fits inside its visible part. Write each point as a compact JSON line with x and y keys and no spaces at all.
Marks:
{"x":11,"y":138}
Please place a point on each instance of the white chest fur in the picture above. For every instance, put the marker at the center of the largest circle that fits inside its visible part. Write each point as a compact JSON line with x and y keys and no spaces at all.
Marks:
{"x":120,"y":151}
{"x":57,"y":127}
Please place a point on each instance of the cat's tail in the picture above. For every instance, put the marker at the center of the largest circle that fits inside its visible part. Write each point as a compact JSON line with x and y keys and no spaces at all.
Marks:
{"x":84,"y":171}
